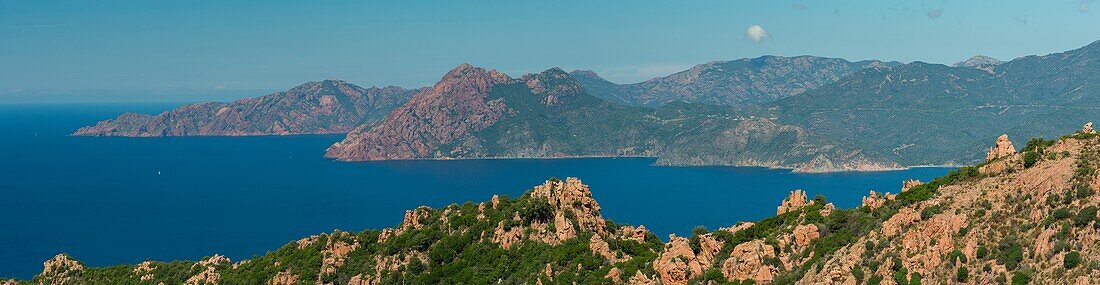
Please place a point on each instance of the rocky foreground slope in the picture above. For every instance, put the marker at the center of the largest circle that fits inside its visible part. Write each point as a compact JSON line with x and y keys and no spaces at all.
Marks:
{"x":325,"y":107}
{"x":1021,"y":217}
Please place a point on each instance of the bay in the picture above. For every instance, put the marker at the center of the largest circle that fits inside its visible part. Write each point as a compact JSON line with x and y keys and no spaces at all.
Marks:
{"x":112,"y":201}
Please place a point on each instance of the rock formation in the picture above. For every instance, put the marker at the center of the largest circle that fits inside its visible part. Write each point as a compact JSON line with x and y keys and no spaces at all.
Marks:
{"x":1087,"y":128}
{"x":62,"y":269}
{"x":1002,"y":149}
{"x":748,"y":261}
{"x":677,"y":263}
{"x":874,"y":201}
{"x":795,"y":201}
{"x":207,"y":270}
{"x":572,"y":195}
{"x":804,"y":234}
{"x":909,"y":183}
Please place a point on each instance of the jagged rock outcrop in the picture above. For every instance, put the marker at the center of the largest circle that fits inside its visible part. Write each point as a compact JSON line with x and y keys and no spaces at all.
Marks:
{"x":678,"y":263}
{"x":207,"y":270}
{"x":873,"y":200}
{"x":796,"y":200}
{"x":748,"y":261}
{"x":145,"y":270}
{"x":910,"y":183}
{"x":61,"y":270}
{"x":828,"y":209}
{"x":804,"y":234}
{"x":635,"y":234}
{"x":1002,"y":149}
{"x":600,"y":247}
{"x":284,"y":278}
{"x":614,"y":275}
{"x":336,"y":252}
{"x":641,"y":279}
{"x":1087,"y":129}
{"x":901,"y":220}
{"x":324,"y":107}
{"x":573,"y":195}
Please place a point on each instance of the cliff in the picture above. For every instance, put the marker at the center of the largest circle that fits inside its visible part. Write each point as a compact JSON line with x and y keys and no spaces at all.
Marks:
{"x":325,"y":107}
{"x":1023,"y":217}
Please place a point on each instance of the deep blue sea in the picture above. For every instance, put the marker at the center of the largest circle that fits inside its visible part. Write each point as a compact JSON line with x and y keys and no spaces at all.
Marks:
{"x":124,"y":200}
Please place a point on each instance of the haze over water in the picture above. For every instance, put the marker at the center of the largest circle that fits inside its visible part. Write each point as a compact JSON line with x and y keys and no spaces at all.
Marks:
{"x":124,"y":200}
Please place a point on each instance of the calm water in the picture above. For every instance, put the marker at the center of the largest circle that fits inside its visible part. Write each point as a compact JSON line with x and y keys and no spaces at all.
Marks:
{"x":124,"y":200}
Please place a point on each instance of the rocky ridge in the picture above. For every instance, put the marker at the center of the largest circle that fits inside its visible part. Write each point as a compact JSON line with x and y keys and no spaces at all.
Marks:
{"x":741,"y":82}
{"x":324,"y":107}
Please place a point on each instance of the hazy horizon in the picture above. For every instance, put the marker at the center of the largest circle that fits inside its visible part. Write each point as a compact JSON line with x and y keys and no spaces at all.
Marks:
{"x":185,"y":52}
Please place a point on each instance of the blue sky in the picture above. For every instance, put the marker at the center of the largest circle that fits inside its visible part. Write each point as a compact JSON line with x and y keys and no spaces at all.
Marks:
{"x":189,"y":50}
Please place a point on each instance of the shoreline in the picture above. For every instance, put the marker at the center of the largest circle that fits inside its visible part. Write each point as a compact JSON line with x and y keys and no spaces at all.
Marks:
{"x":772,"y":167}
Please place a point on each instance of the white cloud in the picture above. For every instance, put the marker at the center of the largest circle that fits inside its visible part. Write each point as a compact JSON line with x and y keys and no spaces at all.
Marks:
{"x":756,"y":33}
{"x":935,"y":13}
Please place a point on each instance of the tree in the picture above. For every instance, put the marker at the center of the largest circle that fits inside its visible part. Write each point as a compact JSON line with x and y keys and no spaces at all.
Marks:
{"x":962,"y":274}
{"x":1071,"y":260}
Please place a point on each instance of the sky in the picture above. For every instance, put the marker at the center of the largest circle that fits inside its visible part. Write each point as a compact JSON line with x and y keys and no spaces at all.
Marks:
{"x":179,"y":51}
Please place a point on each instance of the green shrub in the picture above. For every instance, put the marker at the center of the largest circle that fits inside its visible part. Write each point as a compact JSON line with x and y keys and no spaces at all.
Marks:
{"x":874,"y":280}
{"x":1071,"y":260}
{"x":982,"y":252}
{"x":1037,"y":144}
{"x":1010,"y":253}
{"x":930,"y":211}
{"x":1061,"y":213}
{"x":857,"y":272}
{"x":1020,"y":278}
{"x":1030,"y":158}
{"x":962,"y":274}
{"x":915,"y":280}
{"x":956,"y":255}
{"x":901,"y":276}
{"x":1085,"y":216}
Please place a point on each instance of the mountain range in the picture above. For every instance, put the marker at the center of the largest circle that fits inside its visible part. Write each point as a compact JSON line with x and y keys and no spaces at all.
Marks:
{"x":736,"y":82}
{"x":1018,"y":217}
{"x":811,"y":114}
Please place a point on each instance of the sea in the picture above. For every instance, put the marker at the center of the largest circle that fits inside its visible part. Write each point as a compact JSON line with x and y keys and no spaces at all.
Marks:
{"x":109,"y":201}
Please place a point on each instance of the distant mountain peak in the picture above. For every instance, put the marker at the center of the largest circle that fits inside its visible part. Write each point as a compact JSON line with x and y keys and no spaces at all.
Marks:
{"x":978,"y":61}
{"x":585,"y":73}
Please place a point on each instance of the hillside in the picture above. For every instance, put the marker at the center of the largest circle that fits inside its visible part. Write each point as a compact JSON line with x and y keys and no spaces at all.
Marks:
{"x":749,"y":81}
{"x":920,"y":113}
{"x":478,"y":113}
{"x":1020,"y":217}
{"x":325,"y":107}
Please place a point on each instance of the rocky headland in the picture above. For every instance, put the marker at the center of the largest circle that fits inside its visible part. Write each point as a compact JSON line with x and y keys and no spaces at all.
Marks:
{"x":324,"y":107}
